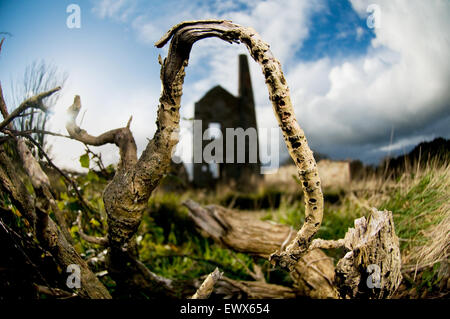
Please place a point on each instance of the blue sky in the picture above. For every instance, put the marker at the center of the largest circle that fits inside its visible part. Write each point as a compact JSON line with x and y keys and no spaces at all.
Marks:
{"x":352,"y":86}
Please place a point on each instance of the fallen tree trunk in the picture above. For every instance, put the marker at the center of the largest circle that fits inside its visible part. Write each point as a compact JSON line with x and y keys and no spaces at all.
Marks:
{"x":312,"y":275}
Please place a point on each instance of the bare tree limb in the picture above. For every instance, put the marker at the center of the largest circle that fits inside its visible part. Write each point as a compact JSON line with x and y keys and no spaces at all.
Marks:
{"x":3,"y":108}
{"x":28,"y":132}
{"x":55,"y":292}
{"x":67,"y":178}
{"x":35,"y":101}
{"x":37,"y":176}
{"x":126,"y":196}
{"x":47,"y":231}
{"x":122,"y":137}
{"x":326,"y":244}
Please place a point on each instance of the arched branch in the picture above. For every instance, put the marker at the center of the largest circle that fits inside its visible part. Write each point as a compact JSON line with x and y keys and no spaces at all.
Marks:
{"x":183,"y":37}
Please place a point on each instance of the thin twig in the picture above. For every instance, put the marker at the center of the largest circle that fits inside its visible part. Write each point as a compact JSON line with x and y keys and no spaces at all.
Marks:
{"x":67,"y":178}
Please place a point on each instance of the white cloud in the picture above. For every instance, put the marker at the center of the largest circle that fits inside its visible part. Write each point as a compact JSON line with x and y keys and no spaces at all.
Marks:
{"x":114,"y":9}
{"x":401,"y":83}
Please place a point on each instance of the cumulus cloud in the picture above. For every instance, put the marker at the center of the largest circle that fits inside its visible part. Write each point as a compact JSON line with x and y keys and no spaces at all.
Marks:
{"x":119,"y":10}
{"x":400,"y":84}
{"x":348,"y":106}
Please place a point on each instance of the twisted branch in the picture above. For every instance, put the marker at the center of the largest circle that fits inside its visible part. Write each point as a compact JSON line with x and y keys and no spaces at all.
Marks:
{"x":183,"y":36}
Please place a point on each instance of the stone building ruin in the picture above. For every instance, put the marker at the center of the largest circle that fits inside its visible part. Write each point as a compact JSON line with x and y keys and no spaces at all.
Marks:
{"x":221,"y":110}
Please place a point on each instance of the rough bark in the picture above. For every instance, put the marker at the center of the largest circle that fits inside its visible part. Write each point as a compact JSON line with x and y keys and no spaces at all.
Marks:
{"x":47,"y":231}
{"x":313,"y":273}
{"x":36,"y":211}
{"x":125,"y":198}
{"x":42,"y":187}
{"x":35,"y":101}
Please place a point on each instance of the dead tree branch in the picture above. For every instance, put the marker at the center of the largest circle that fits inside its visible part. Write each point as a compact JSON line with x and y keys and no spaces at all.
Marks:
{"x":35,"y":102}
{"x":122,"y":137}
{"x":57,"y":242}
{"x":46,"y":230}
{"x":55,"y":292}
{"x":69,"y":180}
{"x":205,"y":290}
{"x":126,"y":196}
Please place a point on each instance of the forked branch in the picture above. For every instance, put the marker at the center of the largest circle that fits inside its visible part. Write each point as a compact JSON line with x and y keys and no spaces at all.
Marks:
{"x":122,"y":137}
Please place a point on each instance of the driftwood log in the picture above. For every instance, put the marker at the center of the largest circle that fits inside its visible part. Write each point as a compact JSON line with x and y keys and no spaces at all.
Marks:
{"x":312,"y":275}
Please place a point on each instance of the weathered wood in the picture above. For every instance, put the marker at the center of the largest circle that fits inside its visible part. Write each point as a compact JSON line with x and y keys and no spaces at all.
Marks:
{"x":34,"y":101}
{"x":206,"y":288}
{"x":312,"y":275}
{"x":372,"y":266}
{"x":230,"y":288}
{"x":47,"y":231}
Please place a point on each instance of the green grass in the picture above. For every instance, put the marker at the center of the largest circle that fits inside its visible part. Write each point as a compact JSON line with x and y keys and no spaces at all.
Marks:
{"x":170,"y":245}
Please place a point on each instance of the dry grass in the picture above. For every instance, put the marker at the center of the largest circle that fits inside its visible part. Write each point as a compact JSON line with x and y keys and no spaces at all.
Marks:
{"x":420,"y":202}
{"x":418,"y":198}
